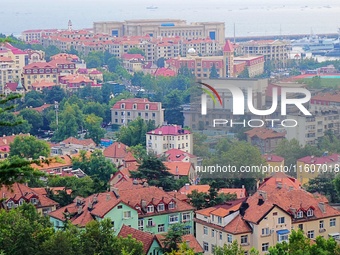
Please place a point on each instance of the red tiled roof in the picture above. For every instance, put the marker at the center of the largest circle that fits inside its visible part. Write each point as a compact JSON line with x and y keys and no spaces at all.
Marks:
{"x":83,"y":142}
{"x":289,"y":199}
{"x":228,"y":47}
{"x":116,"y":150}
{"x":264,"y":133}
{"x":18,"y":191}
{"x":189,"y":239}
{"x":7,"y":140}
{"x":11,"y":85}
{"x":320,"y":160}
{"x":188,"y":189}
{"x":129,"y":56}
{"x":238,"y":226}
{"x":179,"y":168}
{"x":139,"y":102}
{"x":144,"y":237}
{"x":169,"y":130}
{"x":329,"y":97}
{"x":164,"y":72}
{"x":176,"y":155}
{"x":6,"y":59}
{"x":55,"y":190}
{"x":43,"y":83}
{"x":282,"y":178}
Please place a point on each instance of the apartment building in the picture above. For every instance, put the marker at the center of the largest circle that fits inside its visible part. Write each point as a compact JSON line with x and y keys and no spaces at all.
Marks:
{"x":325,"y":101}
{"x":310,"y":167}
{"x":133,"y":62}
{"x":254,"y":64}
{"x":276,"y":52}
{"x":12,"y":60}
{"x":265,"y":139}
{"x":130,"y":109}
{"x":117,"y":153}
{"x":168,"y":137}
{"x":47,"y":71}
{"x":193,"y":117}
{"x":148,"y":209}
{"x":267,"y":217}
{"x":36,"y":35}
{"x":312,"y":128}
{"x":163,"y":28}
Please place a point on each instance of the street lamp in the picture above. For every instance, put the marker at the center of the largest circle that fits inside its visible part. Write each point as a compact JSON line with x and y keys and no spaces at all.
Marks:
{"x":56,"y":107}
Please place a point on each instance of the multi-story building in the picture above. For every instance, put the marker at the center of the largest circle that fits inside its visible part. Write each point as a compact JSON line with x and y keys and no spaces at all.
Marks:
{"x":47,"y":71}
{"x":133,"y":62}
{"x":130,"y":109}
{"x":265,"y":139}
{"x":193,"y":117}
{"x":36,"y":35}
{"x":168,"y":137}
{"x":311,"y":128}
{"x":268,"y":217}
{"x":276,"y":52}
{"x":12,"y":60}
{"x":18,"y":194}
{"x":325,"y":102}
{"x":176,"y":155}
{"x":117,"y":153}
{"x":254,"y":65}
{"x":147,"y":209}
{"x":310,"y":167}
{"x":163,"y":28}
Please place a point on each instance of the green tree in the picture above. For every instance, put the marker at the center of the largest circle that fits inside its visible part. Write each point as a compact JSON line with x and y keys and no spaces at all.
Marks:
{"x":172,"y":105}
{"x":201,"y":148}
{"x":160,"y":62}
{"x":13,"y":124}
{"x":139,"y":152}
{"x":173,"y":237}
{"x":229,"y":249}
{"x":134,"y":133}
{"x":33,"y":99}
{"x":56,"y":93}
{"x":94,"y":129}
{"x":29,"y":147}
{"x":183,"y":249}
{"x":244,"y":73}
{"x":50,"y":51}
{"x":155,"y":172}
{"x":135,"y":50}
{"x":113,"y":64}
{"x":213,"y":72}
{"x":34,"y":118}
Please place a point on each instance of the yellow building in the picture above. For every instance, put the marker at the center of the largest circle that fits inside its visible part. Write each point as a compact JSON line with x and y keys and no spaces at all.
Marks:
{"x":268,"y":217}
{"x":310,"y":167}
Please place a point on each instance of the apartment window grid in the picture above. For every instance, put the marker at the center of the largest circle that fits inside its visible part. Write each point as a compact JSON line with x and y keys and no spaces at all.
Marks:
{"x":221,"y":235}
{"x":265,"y":246}
{"x":213,"y":233}
{"x":173,"y":219}
{"x":321,"y":224}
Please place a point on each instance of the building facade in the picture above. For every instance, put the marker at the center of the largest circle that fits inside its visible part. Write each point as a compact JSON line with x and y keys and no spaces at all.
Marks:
{"x":168,"y":137}
{"x":127,"y":110}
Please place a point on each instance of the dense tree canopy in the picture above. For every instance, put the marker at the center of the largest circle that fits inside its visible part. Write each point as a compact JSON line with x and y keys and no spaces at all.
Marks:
{"x":29,"y":147}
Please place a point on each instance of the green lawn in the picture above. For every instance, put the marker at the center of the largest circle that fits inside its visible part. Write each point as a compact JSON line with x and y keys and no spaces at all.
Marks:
{"x":321,"y":83}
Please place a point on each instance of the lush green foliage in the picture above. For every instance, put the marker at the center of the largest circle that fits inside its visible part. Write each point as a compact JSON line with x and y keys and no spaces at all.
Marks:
{"x":29,"y":147}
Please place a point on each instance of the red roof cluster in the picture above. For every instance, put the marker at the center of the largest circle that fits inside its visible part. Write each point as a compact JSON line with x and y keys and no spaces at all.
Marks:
{"x":264,"y":133}
{"x":169,"y":130}
{"x":176,"y":155}
{"x":136,"y":104}
{"x":83,"y":142}
{"x":334,"y":158}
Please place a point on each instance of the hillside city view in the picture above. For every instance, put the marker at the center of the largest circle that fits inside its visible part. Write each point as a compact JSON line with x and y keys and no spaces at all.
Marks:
{"x":170,"y":129}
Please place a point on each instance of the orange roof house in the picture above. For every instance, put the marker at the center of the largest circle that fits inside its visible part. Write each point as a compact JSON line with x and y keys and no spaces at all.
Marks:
{"x":265,"y":139}
{"x":20,"y":193}
{"x":188,"y":189}
{"x":118,"y":153}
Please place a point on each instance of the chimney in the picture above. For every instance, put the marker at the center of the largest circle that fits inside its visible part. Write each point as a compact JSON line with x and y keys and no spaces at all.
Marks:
{"x":80,"y":209}
{"x":108,"y":197}
{"x":279,"y":185}
{"x":119,"y":145}
{"x":176,"y":169}
{"x":135,"y":182}
{"x":143,"y":204}
{"x":187,"y":186}
{"x":90,"y":206}
{"x":95,"y":200}
{"x":322,"y":207}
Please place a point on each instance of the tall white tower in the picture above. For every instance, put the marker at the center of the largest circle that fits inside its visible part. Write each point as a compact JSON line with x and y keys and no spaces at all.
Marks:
{"x":69,"y":25}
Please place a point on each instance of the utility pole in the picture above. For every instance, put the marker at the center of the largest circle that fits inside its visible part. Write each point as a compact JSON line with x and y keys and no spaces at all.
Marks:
{"x":56,"y":107}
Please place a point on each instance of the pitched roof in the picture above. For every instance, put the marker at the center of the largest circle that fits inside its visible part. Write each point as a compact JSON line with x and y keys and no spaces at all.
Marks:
{"x":238,"y":226}
{"x":177,"y":155}
{"x":116,"y":150}
{"x":11,"y":85}
{"x":83,"y":142}
{"x":228,"y":47}
{"x":188,"y":189}
{"x":189,"y":239}
{"x":289,"y":198}
{"x":179,"y":168}
{"x":144,"y":237}
{"x":329,"y":97}
{"x":283,"y":179}
{"x":18,"y":191}
{"x":138,"y":103}
{"x":55,"y":190}
{"x":43,"y":83}
{"x":320,"y":160}
{"x":264,"y":133}
{"x":272,"y":158}
{"x":7,"y":140}
{"x":169,"y":130}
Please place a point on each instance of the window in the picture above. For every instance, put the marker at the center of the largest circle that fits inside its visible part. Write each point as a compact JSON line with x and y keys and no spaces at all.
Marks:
{"x":310,"y":212}
{"x":141,"y":224}
{"x":265,"y":246}
{"x":299,"y":214}
{"x":229,"y":238}
{"x":283,"y":237}
{"x":34,"y":201}
{"x":146,"y":107}
{"x":122,"y":106}
{"x":332,"y":222}
{"x":244,"y":239}
{"x":10,"y":204}
{"x":281,"y":220}
{"x":213,"y":217}
{"x":127,"y":215}
{"x":161,"y":228}
{"x":134,"y":106}
{"x":265,"y":231}
{"x":160,"y":207}
{"x":219,"y":220}
{"x":221,"y":235}
{"x":21,"y":201}
{"x":212,"y":247}
{"x":153,"y":115}
{"x":205,"y":230}
{"x":186,"y":217}
{"x":310,"y":234}
{"x":213,"y":233}
{"x":150,"y":208}
{"x":205,"y":246}
{"x":321,"y":225}
{"x":173,"y":218}
{"x":301,"y":226}
{"x":172,"y":205}
{"x":150,"y":223}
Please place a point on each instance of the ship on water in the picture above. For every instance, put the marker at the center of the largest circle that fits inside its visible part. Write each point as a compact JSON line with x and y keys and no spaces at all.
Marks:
{"x":151,"y":7}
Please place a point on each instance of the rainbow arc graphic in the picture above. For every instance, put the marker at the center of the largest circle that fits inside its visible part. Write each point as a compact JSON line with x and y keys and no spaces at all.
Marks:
{"x":213,"y":95}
